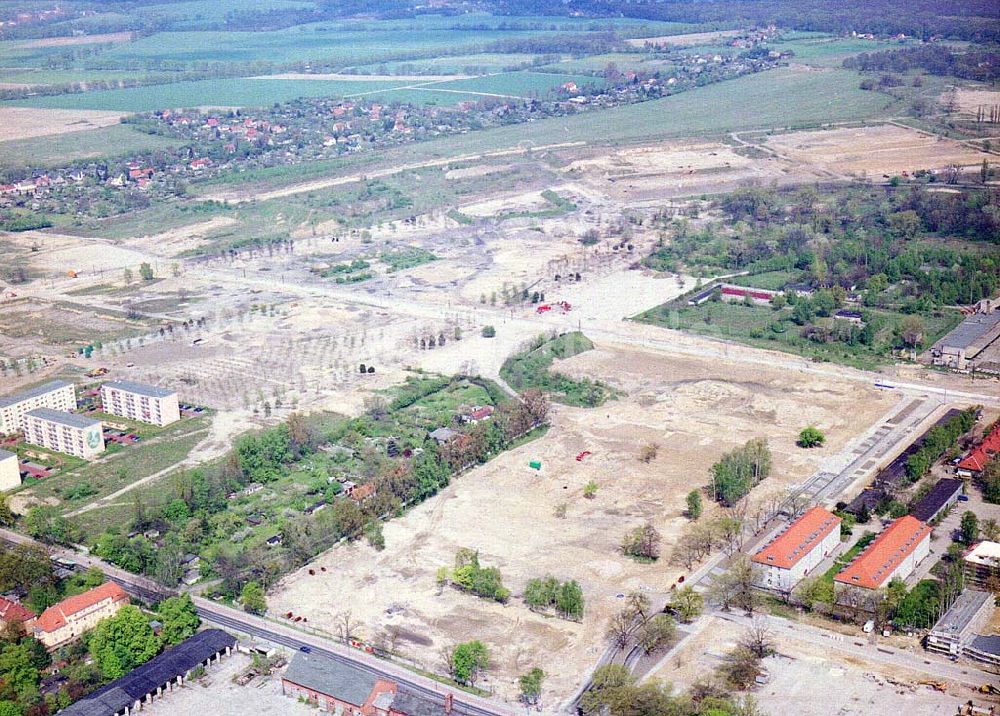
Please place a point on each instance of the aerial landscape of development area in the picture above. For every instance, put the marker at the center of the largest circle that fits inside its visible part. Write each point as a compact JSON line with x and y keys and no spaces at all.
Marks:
{"x":489,"y":357}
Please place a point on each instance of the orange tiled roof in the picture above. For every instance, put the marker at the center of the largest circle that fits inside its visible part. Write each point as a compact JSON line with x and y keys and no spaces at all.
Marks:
{"x":11,"y":611}
{"x":873,"y":566}
{"x":56,"y":616}
{"x":977,"y":460}
{"x":799,"y":539}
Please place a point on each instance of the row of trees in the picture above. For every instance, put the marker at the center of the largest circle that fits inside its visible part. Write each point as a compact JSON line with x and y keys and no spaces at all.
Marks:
{"x":470,"y":576}
{"x":740,"y":470}
{"x":937,"y":442}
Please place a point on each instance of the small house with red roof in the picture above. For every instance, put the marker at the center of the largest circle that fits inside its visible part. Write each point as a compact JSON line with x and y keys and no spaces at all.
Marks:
{"x":14,"y":613}
{"x":973,"y":464}
{"x":65,"y":621}
{"x":792,"y":555}
{"x":894,"y":554}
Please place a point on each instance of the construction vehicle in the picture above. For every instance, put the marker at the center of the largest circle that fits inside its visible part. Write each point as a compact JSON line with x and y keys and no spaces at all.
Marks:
{"x":72,"y":274}
{"x":97,"y":373}
{"x":991,"y":689}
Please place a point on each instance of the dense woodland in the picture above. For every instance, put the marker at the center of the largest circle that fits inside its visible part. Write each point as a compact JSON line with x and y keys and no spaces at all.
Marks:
{"x":970,"y":64}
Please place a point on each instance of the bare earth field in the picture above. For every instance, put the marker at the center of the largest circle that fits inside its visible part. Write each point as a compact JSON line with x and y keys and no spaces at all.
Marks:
{"x":690,"y":39}
{"x":970,"y":100}
{"x":508,"y":511}
{"x":873,"y":151}
{"x":673,"y":169}
{"x":28,"y":122}
{"x":801,"y":671}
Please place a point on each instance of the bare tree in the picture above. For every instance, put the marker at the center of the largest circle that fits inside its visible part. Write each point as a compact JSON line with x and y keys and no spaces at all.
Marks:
{"x":758,"y":639}
{"x":346,"y":625}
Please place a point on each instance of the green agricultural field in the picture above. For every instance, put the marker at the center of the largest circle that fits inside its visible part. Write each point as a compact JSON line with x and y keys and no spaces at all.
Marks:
{"x":217,"y":93}
{"x":198,"y":12}
{"x":113,"y":141}
{"x":624,"y":61}
{"x":474,"y":64}
{"x":329,"y":43}
{"x":518,"y":84}
{"x":53,"y":77}
{"x":830,"y":51}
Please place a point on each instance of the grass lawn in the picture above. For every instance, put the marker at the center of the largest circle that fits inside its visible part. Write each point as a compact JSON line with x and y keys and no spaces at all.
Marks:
{"x":763,"y":327}
{"x":57,"y":150}
{"x":770,"y":280}
{"x":123,"y":467}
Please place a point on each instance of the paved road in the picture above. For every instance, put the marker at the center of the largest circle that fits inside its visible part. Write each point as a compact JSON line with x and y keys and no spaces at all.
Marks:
{"x":239,"y":621}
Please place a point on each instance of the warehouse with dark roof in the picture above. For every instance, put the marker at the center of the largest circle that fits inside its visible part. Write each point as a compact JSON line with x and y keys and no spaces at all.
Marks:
{"x":156,"y":677}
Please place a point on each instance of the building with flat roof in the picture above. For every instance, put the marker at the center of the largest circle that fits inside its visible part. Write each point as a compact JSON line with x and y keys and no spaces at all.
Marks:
{"x":137,"y":401}
{"x":10,"y":471}
{"x":895,"y":553}
{"x":799,"y":549}
{"x":943,"y":495}
{"x":981,"y":563}
{"x":56,"y":394}
{"x":63,"y":432}
{"x":65,"y":621}
{"x":962,"y":346}
{"x":984,"y":648}
{"x":343,"y":688}
{"x":962,"y":622}
{"x":156,"y":678}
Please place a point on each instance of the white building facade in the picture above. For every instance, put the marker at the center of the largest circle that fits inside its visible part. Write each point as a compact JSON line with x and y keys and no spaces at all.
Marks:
{"x":10,"y":471}
{"x":64,"y":432}
{"x":137,"y":401}
{"x":798,"y":550}
{"x":55,"y":395}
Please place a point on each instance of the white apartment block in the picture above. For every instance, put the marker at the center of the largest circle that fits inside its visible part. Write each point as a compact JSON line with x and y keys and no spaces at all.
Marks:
{"x":68,"y":433}
{"x":56,"y":395}
{"x":796,"y":552}
{"x":10,"y":471}
{"x":136,"y":401}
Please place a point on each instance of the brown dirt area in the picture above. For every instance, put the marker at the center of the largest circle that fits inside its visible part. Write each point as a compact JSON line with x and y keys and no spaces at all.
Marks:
{"x":79,"y":40}
{"x":507,"y":510}
{"x":27,"y":122}
{"x":970,"y":100}
{"x":802,"y":670}
{"x":873,"y":151}
{"x":670,"y":169}
{"x":690,"y":39}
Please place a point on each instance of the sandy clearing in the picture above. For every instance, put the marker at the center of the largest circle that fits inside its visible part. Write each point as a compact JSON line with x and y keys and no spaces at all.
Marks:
{"x":27,"y":122}
{"x":478,"y":171}
{"x":181,"y":239}
{"x":361,"y":78}
{"x":691,"y":39}
{"x":885,"y":149}
{"x":507,"y":510}
{"x":528,"y":201}
{"x":800,"y":671}
{"x":970,"y":100}
{"x":79,"y":40}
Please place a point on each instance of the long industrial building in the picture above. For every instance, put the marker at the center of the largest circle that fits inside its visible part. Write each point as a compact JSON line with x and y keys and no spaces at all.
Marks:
{"x":137,"y":401}
{"x":64,"y":432}
{"x":55,"y":395}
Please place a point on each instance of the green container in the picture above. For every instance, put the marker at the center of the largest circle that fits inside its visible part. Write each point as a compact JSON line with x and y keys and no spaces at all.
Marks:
{"x":535,"y":465}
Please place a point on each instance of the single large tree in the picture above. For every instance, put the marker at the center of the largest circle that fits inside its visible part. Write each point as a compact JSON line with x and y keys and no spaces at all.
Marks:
{"x":123,"y":642}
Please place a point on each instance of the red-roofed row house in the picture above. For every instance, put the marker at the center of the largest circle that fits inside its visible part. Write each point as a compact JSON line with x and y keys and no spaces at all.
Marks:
{"x":65,"y":621}
{"x":895,"y":553}
{"x":793,"y":554}
{"x":976,"y":461}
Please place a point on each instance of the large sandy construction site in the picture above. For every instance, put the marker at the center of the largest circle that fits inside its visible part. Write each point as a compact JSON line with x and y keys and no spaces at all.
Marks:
{"x":873,"y":151}
{"x":693,"y":409}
